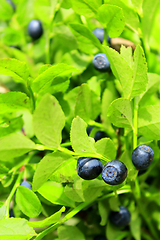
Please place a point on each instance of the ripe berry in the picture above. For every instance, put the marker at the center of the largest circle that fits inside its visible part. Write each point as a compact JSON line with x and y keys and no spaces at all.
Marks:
{"x":142,"y":156}
{"x":26,"y":184}
{"x":89,"y":129}
{"x":89,"y":168}
{"x":114,"y":172}
{"x":121,"y":218}
{"x":98,"y":135}
{"x":99,"y":33}
{"x":101,"y":63}
{"x":11,"y":213}
{"x":35,"y":29}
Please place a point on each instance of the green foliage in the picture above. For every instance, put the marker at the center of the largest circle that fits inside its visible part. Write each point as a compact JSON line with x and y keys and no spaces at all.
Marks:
{"x":112,"y":17}
{"x":53,"y":102}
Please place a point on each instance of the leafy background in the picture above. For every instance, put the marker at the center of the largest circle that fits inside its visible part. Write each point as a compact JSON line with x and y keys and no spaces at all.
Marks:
{"x":50,"y":95}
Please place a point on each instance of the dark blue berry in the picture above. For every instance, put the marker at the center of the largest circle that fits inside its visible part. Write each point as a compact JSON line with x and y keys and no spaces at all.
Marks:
{"x":26,"y":184}
{"x":97,"y":119}
{"x":140,"y":172}
{"x":101,"y":63}
{"x":99,"y":33}
{"x":142,"y":156}
{"x":35,"y":29}
{"x":89,"y":129}
{"x":11,"y":213}
{"x":98,"y":135}
{"x":121,"y":218}
{"x":114,"y":172}
{"x":89,"y":168}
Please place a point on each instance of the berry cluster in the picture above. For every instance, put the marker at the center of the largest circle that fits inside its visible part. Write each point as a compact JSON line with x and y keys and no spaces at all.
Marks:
{"x":100,"y":60}
{"x":114,"y":172}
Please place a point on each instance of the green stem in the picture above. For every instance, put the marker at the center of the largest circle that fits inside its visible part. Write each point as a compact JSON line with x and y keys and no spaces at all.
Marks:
{"x":132,"y":29}
{"x":135,"y":122}
{"x":67,"y":151}
{"x":17,"y":183}
{"x":93,"y":155}
{"x":66,"y":144}
{"x":47,"y":47}
{"x":67,"y":217}
{"x":112,"y":194}
{"x":32,"y":97}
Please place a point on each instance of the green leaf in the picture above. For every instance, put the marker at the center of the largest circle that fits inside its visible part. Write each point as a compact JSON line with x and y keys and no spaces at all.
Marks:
{"x":103,"y":212}
{"x":4,"y":212}
{"x":87,"y":41}
{"x":47,"y":166}
{"x":106,"y":147}
{"x":14,"y":68}
{"x":47,"y":221}
{"x":11,"y":36}
{"x":149,"y":13}
{"x":95,"y":85}
{"x":6,"y":10}
{"x":153,"y":84}
{"x":11,"y":125}
{"x":24,"y":12}
{"x":81,"y":143}
{"x":70,"y":232}
{"x":135,"y":225}
{"x":114,"y":203}
{"x":149,"y":122}
{"x":15,"y":228}
{"x":67,"y":40}
{"x":126,"y":53}
{"x":3,"y":169}
{"x":52,"y":78}
{"x":94,"y":190}
{"x":121,"y":69}
{"x":114,"y":233}
{"x":14,"y":145}
{"x":131,"y":171}
{"x":120,"y":113}
{"x":54,"y":193}
{"x":87,"y":103}
{"x":108,"y":96}
{"x":156,"y":217}
{"x":112,"y":17}
{"x":88,"y":8}
{"x":66,"y":172}
{"x":13,"y":101}
{"x":140,"y":78}
{"x":45,"y":9}
{"x":85,"y":190}
{"x":48,"y":121}
{"x":76,"y":59}
{"x":75,"y":193}
{"x":131,"y":17}
{"x":28,"y":202}
{"x":137,"y":3}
